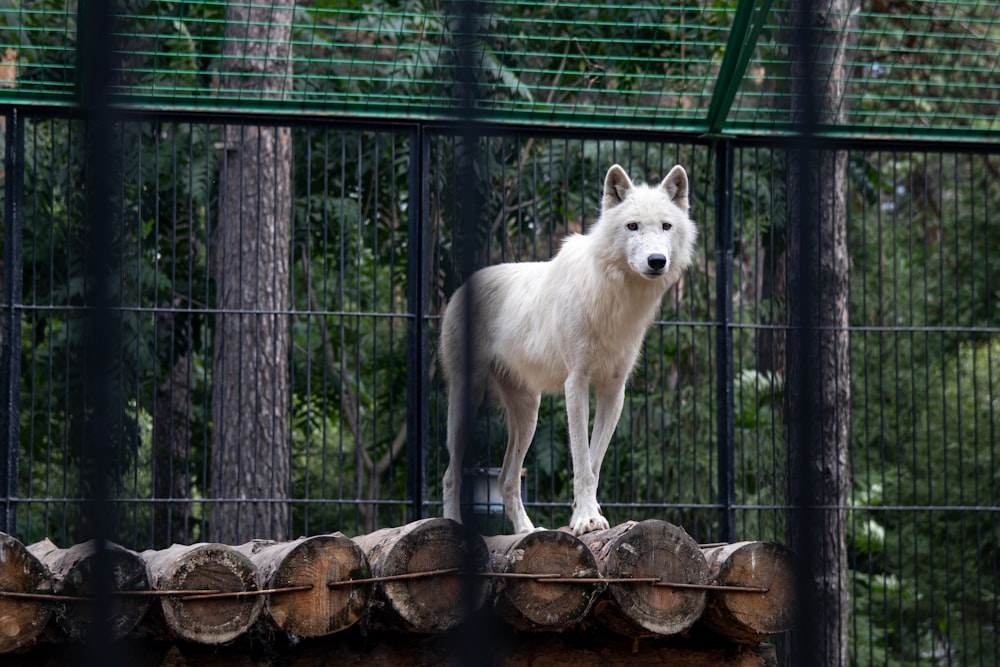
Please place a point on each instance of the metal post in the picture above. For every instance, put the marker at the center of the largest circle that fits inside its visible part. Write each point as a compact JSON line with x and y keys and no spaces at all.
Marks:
{"x":102,"y":317}
{"x":10,"y":333}
{"x":477,"y":644}
{"x":805,"y":515}
{"x":724,"y":338}
{"x":417,"y":371}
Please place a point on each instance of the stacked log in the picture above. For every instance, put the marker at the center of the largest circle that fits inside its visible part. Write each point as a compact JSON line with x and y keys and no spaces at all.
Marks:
{"x":213,"y":575}
{"x":437,"y":550}
{"x":548,"y":579}
{"x":668,"y":563}
{"x":633,"y":581}
{"x":311,"y":577}
{"x":76,"y":573}
{"x":22,"y":618}
{"x":759,"y":600}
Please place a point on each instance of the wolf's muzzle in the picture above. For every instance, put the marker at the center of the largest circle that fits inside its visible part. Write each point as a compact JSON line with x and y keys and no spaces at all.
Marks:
{"x":656,"y":262}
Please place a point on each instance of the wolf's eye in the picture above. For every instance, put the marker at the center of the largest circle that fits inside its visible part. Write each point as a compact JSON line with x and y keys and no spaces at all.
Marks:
{"x":632,"y":226}
{"x":667,"y":226}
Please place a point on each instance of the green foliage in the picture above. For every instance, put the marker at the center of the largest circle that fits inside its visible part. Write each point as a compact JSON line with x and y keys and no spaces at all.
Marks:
{"x":908,"y":66}
{"x":162,"y":263}
{"x":925,"y":412}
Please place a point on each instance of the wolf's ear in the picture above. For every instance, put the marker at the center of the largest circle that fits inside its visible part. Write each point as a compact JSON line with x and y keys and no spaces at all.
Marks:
{"x":676,"y":185}
{"x":617,"y":185}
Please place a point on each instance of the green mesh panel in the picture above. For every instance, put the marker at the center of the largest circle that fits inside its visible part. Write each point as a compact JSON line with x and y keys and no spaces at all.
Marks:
{"x":924,"y":68}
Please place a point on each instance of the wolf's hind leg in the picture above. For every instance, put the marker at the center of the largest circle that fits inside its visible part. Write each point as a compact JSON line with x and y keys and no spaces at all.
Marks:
{"x":521,"y":406}
{"x":462,"y":405}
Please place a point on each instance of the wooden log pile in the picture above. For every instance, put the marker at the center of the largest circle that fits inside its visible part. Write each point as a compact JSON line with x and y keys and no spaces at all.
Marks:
{"x":405,"y":590}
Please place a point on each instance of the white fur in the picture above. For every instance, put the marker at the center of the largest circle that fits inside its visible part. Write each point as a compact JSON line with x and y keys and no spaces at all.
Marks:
{"x":566,"y":324}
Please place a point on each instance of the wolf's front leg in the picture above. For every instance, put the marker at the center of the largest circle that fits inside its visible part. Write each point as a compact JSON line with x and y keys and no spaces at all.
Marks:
{"x":586,"y":512}
{"x":610,"y":401}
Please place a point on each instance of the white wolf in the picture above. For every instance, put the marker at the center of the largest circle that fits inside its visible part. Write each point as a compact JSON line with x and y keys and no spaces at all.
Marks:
{"x":566,"y":324}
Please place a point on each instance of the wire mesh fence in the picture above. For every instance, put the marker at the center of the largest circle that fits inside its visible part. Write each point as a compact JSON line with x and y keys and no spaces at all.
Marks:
{"x":668,"y":65}
{"x":922,"y":238}
{"x":323,"y":225}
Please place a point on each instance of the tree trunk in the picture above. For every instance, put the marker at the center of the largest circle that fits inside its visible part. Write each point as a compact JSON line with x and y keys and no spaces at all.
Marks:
{"x":250,"y":403}
{"x":770,"y":345}
{"x":819,"y":370}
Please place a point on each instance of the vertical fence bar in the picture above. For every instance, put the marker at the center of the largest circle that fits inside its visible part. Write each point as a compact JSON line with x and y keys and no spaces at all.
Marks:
{"x":477,"y":645}
{"x":808,"y":643}
{"x":724,"y":338}
{"x":418,"y":287}
{"x":103,"y":430}
{"x":10,"y":334}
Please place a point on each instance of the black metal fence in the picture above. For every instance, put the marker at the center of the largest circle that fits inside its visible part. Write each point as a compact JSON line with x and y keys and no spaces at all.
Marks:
{"x":372,"y":257}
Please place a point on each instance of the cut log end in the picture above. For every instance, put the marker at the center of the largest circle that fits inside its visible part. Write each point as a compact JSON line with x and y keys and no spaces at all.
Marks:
{"x":649,"y":550}
{"x":315,"y":562}
{"x":428,"y":603}
{"x":76,"y":573}
{"x":752,"y":616}
{"x":534,"y":604}
{"x":206,"y":567}
{"x":638,"y":580}
{"x":21,"y":620}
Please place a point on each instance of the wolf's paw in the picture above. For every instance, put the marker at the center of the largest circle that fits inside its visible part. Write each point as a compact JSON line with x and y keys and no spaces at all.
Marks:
{"x":588,"y":523}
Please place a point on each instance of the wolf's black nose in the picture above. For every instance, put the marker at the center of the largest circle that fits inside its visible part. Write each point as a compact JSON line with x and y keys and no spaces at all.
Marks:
{"x":656,"y":261}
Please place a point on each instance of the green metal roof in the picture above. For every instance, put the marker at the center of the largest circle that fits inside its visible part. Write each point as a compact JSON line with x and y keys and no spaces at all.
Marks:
{"x":925,"y":68}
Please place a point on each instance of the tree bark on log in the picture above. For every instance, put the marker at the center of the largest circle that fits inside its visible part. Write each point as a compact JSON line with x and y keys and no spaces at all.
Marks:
{"x":73,"y":574}
{"x":21,"y":620}
{"x":750,"y":617}
{"x":202,"y":567}
{"x":316,"y":562}
{"x":529,"y":604}
{"x":428,"y":604}
{"x":648,"y":549}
